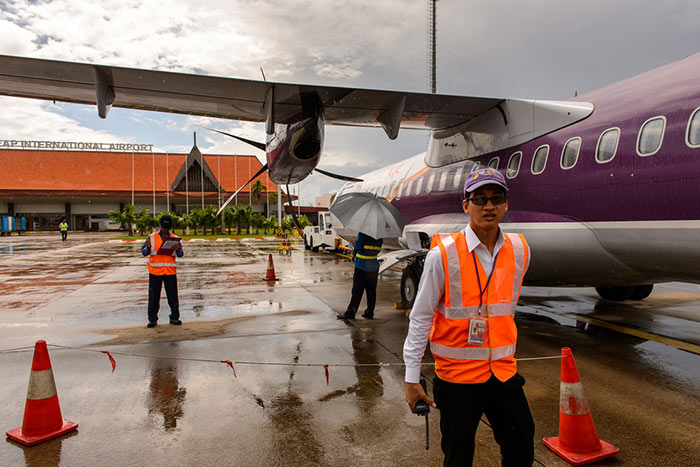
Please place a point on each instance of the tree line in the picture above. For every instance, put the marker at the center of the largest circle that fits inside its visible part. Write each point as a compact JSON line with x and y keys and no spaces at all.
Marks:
{"x":235,"y":217}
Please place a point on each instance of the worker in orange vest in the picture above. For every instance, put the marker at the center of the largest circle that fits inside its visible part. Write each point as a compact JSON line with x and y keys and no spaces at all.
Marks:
{"x":162,"y":268}
{"x":465,"y":309}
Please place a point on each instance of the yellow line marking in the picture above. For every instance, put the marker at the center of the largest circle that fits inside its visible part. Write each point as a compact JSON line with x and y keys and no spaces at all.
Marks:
{"x":636,"y":333}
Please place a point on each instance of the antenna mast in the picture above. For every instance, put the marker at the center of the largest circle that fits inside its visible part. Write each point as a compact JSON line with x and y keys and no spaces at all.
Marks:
{"x":432,"y":46}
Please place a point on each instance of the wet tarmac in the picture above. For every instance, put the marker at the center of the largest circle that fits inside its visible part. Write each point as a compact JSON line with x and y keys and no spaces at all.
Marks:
{"x":172,"y":402}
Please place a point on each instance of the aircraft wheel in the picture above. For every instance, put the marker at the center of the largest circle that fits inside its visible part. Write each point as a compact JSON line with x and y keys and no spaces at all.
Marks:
{"x":409,"y":285}
{"x":641,"y":291}
{"x":306,"y":244}
{"x":617,"y":293}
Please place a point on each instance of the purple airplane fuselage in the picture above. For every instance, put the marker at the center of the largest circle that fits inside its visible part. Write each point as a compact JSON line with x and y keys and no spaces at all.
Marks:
{"x":624,"y":211}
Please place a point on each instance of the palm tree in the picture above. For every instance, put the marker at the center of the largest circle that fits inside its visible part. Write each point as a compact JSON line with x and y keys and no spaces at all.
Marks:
{"x":256,"y":189}
{"x":209,"y":218}
{"x":230,"y":217}
{"x":257,"y":221}
{"x":145,"y":222}
{"x":124,"y":217}
{"x":186,"y":221}
{"x":196,"y":216}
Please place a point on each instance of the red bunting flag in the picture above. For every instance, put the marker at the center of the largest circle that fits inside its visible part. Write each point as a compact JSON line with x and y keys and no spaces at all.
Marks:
{"x":111,"y":360}
{"x":230,"y":363}
{"x":325,"y":369}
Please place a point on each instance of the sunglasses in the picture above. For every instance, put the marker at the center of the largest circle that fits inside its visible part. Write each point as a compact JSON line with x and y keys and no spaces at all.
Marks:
{"x":482,"y":200}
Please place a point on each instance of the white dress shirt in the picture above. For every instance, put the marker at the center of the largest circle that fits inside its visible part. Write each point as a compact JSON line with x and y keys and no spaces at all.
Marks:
{"x":430,"y":290}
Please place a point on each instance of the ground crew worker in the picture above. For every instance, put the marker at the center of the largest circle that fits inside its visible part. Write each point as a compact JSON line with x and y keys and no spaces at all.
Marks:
{"x":63,"y":227}
{"x":465,"y":308}
{"x":366,"y":250}
{"x":162,"y":268}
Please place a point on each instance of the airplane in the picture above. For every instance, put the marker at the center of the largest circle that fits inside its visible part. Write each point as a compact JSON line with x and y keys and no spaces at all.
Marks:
{"x":603,"y":186}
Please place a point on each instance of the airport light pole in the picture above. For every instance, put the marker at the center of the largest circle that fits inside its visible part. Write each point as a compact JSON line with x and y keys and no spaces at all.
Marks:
{"x":132,"y":178}
{"x":153,"y":157}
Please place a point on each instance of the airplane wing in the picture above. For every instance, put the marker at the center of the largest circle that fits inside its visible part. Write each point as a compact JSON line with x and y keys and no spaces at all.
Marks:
{"x":241,"y":99}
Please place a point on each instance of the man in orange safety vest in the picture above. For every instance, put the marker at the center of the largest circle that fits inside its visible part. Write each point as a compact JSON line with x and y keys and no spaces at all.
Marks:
{"x":161,"y":248}
{"x":465,"y":309}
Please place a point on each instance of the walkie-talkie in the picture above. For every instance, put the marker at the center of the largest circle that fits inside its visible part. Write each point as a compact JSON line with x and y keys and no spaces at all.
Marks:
{"x":423,"y":409}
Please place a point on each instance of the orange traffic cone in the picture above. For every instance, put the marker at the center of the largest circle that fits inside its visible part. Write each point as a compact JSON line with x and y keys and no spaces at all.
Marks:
{"x":270,"y":276}
{"x":42,"y":414}
{"x":578,"y":441}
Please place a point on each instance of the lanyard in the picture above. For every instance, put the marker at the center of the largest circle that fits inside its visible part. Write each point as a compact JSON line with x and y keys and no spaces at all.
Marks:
{"x":478,"y":279}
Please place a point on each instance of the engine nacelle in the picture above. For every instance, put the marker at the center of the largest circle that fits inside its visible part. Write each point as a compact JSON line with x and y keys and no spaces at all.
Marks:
{"x":294,"y":149}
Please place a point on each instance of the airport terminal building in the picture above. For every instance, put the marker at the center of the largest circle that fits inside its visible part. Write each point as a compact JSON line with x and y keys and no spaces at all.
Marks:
{"x":45,"y":181}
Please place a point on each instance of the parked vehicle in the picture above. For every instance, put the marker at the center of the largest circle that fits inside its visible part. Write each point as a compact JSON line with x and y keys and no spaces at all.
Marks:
{"x":323,"y":235}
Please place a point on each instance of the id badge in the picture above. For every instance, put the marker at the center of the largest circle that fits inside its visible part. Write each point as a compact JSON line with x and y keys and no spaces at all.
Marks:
{"x":477,"y":331}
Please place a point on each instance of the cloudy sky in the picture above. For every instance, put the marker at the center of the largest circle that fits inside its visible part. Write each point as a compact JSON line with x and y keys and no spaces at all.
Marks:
{"x":544,"y":49}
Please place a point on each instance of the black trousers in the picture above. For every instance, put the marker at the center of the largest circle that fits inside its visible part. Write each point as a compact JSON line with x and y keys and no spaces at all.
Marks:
{"x":363,"y":281}
{"x":155,"y":283}
{"x":64,"y":235}
{"x":506,"y":408}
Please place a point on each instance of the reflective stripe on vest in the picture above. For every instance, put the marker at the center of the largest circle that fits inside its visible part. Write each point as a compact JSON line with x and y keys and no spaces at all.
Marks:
{"x":370,"y":247}
{"x":458,"y":359}
{"x":472,"y":353}
{"x":365,"y":256}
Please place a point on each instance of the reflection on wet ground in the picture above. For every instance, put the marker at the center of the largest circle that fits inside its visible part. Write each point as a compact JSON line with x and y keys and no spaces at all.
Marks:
{"x":166,"y":397}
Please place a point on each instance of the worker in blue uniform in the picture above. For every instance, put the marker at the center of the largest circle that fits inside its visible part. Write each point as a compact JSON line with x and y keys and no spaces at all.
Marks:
{"x":365,"y":275}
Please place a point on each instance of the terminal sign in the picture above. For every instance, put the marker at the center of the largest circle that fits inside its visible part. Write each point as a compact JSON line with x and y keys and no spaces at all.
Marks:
{"x":73,"y":145}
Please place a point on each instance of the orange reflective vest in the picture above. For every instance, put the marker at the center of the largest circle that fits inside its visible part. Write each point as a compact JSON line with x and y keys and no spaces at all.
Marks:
{"x":459,"y":358}
{"x":160,"y":265}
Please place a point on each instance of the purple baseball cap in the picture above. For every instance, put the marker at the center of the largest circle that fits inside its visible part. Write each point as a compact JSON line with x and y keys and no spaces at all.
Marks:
{"x":483,"y":177}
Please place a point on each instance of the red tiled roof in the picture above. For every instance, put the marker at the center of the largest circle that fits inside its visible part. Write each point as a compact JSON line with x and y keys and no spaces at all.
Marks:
{"x":112,"y":171}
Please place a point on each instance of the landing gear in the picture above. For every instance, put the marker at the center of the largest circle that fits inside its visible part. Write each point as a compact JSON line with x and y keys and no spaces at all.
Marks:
{"x":625,"y":292}
{"x":641,"y":292}
{"x":410,"y":277}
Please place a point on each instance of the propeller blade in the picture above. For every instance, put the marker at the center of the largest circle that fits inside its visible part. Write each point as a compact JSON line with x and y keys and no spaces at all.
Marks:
{"x":260,"y":146}
{"x":338,"y":177}
{"x":263,"y":169}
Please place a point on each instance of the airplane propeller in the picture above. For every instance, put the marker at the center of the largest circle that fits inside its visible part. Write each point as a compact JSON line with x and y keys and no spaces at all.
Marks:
{"x":263,"y":147}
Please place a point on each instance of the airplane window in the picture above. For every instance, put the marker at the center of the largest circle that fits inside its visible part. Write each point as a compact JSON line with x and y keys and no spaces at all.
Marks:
{"x":514,"y":164}
{"x":650,"y":136}
{"x":692,"y":133}
{"x":419,"y":185}
{"x":475,"y":167}
{"x":539,"y":161}
{"x":493,"y":163}
{"x":400,"y":190}
{"x":458,"y":179}
{"x":569,"y":155}
{"x":408,"y":187}
{"x":429,"y":185}
{"x":443,"y":180}
{"x":607,"y":145}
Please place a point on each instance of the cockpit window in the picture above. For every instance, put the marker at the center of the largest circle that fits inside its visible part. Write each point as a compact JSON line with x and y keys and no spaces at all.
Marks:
{"x":408,"y":187}
{"x":651,"y":134}
{"x":607,"y":145}
{"x":569,"y":155}
{"x":514,"y":164}
{"x":692,"y":133}
{"x":493,"y":163}
{"x":539,"y":160}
